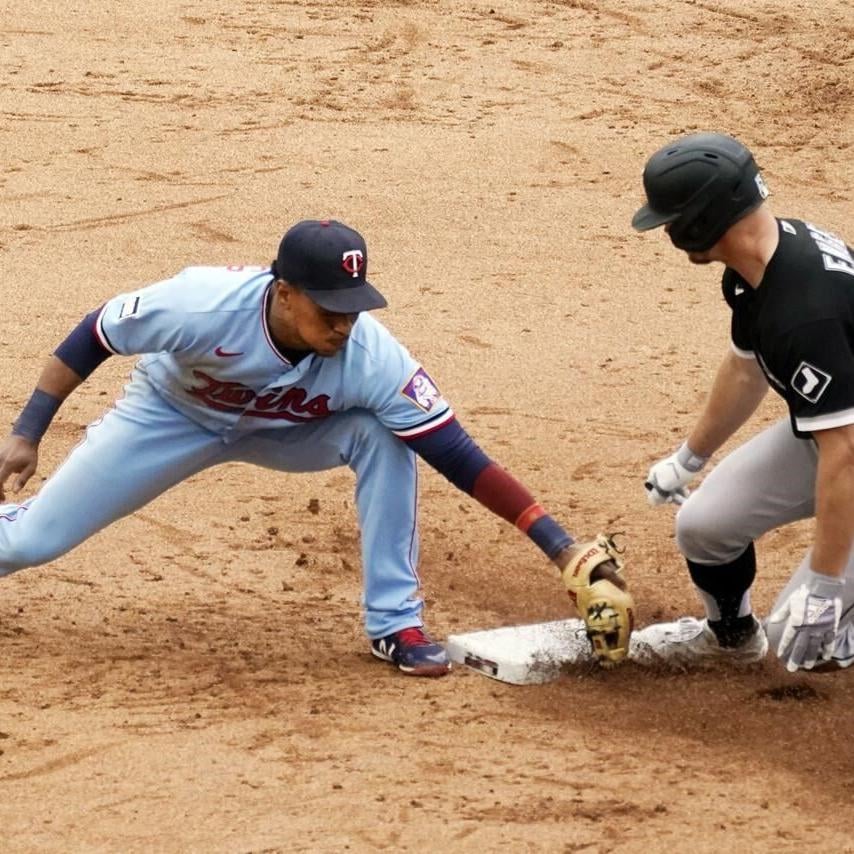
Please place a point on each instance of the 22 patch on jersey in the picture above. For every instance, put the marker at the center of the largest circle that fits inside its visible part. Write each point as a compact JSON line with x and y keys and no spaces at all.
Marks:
{"x":810,"y":382}
{"x":421,"y":390}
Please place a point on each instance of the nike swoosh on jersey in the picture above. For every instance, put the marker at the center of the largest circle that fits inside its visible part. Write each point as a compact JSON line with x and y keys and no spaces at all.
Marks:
{"x":225,"y":353}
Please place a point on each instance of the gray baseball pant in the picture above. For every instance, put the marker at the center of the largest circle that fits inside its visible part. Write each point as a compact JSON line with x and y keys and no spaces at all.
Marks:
{"x":767,"y":482}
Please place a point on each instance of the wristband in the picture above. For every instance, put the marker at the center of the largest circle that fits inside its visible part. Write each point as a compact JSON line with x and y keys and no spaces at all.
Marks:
{"x":528,"y":516}
{"x":549,"y":536}
{"x":689,"y":460}
{"x":826,"y":586}
{"x":36,"y":416}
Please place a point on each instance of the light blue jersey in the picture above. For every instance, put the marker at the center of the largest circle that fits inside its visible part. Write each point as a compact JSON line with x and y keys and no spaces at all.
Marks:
{"x":210,"y":354}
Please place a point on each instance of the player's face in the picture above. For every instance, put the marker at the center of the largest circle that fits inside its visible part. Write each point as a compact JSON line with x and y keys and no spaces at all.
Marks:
{"x":700,"y":258}
{"x":298,"y":321}
{"x":695,"y":257}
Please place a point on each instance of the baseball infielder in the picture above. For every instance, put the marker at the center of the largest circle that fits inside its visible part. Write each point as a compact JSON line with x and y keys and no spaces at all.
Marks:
{"x":282,"y":367}
{"x":790,"y":286}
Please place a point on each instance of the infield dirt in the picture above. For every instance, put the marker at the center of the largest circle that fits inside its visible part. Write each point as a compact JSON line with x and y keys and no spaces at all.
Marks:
{"x":195,"y":678}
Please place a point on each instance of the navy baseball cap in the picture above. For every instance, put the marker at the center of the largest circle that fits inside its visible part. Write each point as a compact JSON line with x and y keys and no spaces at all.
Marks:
{"x":329,"y":261}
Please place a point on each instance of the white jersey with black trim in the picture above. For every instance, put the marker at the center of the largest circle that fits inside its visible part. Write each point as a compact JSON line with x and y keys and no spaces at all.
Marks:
{"x":207,"y":349}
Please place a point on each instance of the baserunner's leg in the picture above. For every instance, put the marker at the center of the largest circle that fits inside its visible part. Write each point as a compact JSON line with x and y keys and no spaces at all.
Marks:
{"x":767,"y":482}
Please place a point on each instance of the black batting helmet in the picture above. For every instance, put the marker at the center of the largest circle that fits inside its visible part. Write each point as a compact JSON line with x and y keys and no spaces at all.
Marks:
{"x":699,"y":185}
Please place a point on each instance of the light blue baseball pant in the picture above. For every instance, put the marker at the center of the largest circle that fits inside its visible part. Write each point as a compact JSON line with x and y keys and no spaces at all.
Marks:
{"x":143,"y":446}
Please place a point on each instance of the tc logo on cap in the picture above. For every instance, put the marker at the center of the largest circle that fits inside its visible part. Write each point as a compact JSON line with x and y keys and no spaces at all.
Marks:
{"x":353,"y":261}
{"x":329,"y":261}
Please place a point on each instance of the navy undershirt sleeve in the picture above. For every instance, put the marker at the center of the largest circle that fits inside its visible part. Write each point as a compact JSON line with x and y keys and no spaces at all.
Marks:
{"x":453,"y":453}
{"x":82,"y":351}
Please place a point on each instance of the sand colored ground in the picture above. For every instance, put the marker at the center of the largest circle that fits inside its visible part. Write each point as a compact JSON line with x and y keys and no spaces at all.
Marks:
{"x":195,"y":678}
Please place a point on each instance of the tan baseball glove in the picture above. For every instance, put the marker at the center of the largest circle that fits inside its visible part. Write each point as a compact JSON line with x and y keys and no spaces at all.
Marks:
{"x":594,"y":582}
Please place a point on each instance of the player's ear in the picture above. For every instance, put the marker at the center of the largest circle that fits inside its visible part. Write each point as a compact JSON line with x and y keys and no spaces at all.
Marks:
{"x":282,"y":291}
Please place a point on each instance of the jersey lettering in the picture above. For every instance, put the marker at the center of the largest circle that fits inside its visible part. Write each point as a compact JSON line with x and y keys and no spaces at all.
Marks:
{"x":834,"y":265}
{"x":291,"y":404}
{"x":834,"y":252}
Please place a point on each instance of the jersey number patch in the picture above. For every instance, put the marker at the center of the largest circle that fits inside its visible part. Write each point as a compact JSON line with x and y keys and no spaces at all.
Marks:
{"x":810,"y":382}
{"x":421,"y":390}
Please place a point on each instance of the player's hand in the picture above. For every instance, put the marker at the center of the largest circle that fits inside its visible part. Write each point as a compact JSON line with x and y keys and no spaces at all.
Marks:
{"x":17,"y":456}
{"x":591,"y":575}
{"x":811,"y":615}
{"x":667,"y":480}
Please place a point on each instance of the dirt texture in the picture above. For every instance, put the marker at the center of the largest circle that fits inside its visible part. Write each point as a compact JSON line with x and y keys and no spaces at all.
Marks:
{"x":195,"y":678}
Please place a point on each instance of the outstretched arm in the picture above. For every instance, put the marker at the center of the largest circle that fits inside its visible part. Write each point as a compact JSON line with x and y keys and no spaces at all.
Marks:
{"x":73,"y":361}
{"x":589,"y":570}
{"x":834,"y":496}
{"x":811,"y":614}
{"x":19,"y":451}
{"x":452,"y":452}
{"x":737,"y":391}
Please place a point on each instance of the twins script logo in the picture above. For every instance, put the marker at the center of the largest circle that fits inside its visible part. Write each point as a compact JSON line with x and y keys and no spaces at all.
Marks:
{"x":353,"y":262}
{"x":291,"y":404}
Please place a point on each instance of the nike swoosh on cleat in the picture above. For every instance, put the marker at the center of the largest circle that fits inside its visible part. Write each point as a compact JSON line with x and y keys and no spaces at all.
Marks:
{"x":224,"y":353}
